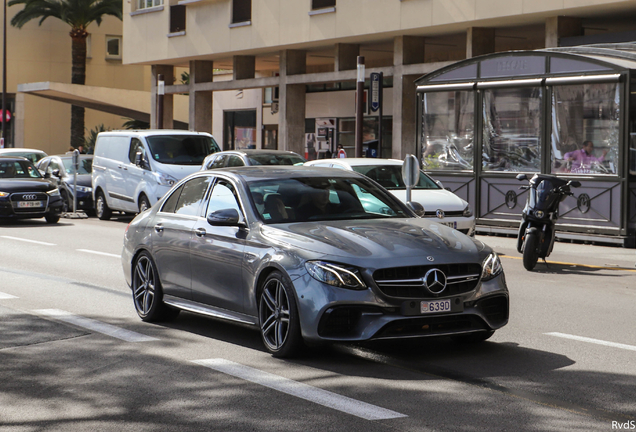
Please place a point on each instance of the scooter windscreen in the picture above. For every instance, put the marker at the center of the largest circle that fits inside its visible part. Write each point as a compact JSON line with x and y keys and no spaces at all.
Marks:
{"x":547,"y":198}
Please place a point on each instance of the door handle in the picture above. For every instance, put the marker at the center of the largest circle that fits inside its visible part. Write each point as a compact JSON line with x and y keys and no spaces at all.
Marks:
{"x":159,"y":228}
{"x":122,"y":167}
{"x":200,"y":232}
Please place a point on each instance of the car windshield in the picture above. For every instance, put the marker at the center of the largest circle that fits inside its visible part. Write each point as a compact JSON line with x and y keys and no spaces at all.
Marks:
{"x":18,"y":169}
{"x":390,"y":176}
{"x":275,"y":159}
{"x":320,"y":198}
{"x":85,"y":165}
{"x":181,"y":149}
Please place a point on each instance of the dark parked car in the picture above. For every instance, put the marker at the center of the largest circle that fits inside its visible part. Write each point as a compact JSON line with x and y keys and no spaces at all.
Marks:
{"x":238,"y":158}
{"x":296,"y":253}
{"x":25,"y":194}
{"x":58,"y":170}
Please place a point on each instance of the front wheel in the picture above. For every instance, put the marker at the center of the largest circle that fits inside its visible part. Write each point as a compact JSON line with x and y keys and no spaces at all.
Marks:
{"x":278,"y":317}
{"x":144,"y":204}
{"x":147,"y":292}
{"x":531,"y":250}
{"x":52,"y":218}
{"x":102,"y":210}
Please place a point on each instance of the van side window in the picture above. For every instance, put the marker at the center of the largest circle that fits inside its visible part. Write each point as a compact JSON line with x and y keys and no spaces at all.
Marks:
{"x":136,"y":146}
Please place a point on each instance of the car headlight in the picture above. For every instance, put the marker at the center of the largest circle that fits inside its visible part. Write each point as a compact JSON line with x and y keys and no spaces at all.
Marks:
{"x":165,"y":179}
{"x":85,"y":189}
{"x":337,"y":275}
{"x":4,"y":194}
{"x":468,"y":212}
{"x":491,"y":267}
{"x":54,"y":192}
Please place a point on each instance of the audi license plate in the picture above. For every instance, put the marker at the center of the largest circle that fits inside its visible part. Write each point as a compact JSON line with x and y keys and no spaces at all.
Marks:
{"x":28,"y":204}
{"x":435,"y":306}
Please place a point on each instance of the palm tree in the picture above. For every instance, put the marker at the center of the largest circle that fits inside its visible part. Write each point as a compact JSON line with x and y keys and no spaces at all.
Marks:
{"x":79,"y":14}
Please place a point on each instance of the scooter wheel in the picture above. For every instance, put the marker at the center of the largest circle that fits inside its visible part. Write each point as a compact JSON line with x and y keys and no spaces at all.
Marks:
{"x":531,"y":251}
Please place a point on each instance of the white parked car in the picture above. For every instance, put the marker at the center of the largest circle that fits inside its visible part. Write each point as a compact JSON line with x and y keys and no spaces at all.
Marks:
{"x":448,"y":208}
{"x":31,"y":154}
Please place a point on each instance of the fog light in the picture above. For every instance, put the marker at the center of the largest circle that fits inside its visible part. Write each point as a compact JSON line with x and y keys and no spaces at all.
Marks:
{"x":539,"y":214}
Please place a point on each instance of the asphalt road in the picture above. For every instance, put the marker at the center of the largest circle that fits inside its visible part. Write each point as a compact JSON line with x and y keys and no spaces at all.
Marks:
{"x":74,"y":356}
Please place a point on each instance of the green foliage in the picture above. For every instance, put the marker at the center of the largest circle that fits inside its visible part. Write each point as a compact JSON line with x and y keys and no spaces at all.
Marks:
{"x":79,"y":14}
{"x":185,"y":78}
{"x":89,"y":141}
{"x":135,"y":124}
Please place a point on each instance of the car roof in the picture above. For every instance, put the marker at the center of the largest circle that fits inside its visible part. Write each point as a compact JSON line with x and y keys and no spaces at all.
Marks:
{"x":13,"y":158}
{"x":152,"y":132}
{"x":20,"y":150}
{"x":278,"y":172}
{"x":360,"y":161}
{"x":70,"y":154}
{"x":249,"y":152}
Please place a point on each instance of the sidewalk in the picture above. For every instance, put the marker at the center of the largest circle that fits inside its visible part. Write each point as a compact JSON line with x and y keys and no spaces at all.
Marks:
{"x":566,"y":252}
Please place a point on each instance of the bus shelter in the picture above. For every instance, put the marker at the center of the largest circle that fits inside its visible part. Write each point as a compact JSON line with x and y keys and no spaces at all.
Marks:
{"x":484,"y":120}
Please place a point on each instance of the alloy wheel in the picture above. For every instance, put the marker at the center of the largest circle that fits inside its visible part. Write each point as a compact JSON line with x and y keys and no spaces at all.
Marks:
{"x":275,"y":315}
{"x":144,"y":285}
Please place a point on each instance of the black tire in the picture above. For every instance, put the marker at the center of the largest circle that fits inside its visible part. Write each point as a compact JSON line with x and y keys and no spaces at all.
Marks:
{"x":102,"y":211}
{"x":279,"y":321}
{"x":144,"y":204}
{"x":531,"y":250}
{"x":147,"y":292}
{"x":473,"y":337}
{"x":52,"y":218}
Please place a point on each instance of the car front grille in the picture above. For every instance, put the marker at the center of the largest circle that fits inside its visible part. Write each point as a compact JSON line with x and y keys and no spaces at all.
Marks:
{"x":408,"y":282}
{"x":457,"y":213}
{"x":26,"y":197}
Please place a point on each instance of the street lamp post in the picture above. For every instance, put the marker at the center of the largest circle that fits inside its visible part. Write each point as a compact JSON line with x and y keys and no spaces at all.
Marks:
{"x":160,"y":92}
{"x":359,"y":105}
{"x":4,"y":70}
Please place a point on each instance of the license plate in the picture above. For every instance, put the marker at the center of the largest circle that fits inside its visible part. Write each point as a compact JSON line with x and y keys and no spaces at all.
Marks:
{"x":435,"y":306}
{"x":28,"y":204}
{"x":450,"y":224}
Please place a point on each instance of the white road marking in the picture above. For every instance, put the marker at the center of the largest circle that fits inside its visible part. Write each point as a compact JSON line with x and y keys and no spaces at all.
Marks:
{"x":5,"y":296}
{"x":97,"y":326}
{"x":99,"y":253}
{"x":300,"y":390}
{"x":594,"y":341}
{"x":29,"y":241}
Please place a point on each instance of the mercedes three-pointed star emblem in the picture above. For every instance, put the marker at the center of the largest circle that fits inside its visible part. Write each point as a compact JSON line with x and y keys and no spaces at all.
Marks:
{"x":435,"y":281}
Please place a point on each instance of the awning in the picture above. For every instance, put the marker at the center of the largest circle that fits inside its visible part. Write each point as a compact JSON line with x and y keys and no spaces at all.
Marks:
{"x":133,"y":104}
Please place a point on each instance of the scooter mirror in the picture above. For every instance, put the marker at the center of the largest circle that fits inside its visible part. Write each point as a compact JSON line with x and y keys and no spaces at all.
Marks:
{"x":575,"y":183}
{"x":522,"y":177}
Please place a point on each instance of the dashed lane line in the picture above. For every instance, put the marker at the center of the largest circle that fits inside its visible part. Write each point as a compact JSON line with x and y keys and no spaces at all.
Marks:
{"x":96,"y":326}
{"x":300,"y":390}
{"x":5,"y":296}
{"x":99,"y":253}
{"x":594,"y":341}
{"x":29,"y":241}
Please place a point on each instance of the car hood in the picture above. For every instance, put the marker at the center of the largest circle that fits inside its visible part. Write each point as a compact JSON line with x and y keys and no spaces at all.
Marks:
{"x":433,"y":199}
{"x":82,"y":180}
{"x":377,"y":238}
{"x":176,"y":171}
{"x":25,"y":185}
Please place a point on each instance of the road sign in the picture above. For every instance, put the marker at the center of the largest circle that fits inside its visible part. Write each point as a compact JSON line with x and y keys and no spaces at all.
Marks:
{"x":6,"y":116}
{"x":376,"y":87}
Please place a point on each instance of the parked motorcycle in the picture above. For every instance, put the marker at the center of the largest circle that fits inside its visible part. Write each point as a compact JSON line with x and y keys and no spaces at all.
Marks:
{"x":537,"y":230}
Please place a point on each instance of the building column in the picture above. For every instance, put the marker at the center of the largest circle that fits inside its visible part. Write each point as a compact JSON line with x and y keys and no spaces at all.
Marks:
{"x":20,"y":111}
{"x":561,"y":26}
{"x":292,"y":98}
{"x":168,"y":106}
{"x":480,"y":41}
{"x":346,"y":57}
{"x":244,"y":67}
{"x":200,"y":102}
{"x":406,"y":50}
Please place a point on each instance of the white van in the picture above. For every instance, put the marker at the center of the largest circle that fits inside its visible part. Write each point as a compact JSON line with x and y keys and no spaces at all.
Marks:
{"x":132,"y":170}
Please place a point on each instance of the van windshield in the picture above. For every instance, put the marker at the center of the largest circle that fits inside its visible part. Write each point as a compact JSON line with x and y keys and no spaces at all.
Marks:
{"x":181,"y":149}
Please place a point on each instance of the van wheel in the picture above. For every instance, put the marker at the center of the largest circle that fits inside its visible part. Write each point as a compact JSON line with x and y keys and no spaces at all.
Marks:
{"x":101,"y":208}
{"x":144,"y":204}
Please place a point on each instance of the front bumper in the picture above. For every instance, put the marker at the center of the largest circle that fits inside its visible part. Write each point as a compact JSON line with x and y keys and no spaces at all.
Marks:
{"x":333,"y":314}
{"x":9,"y":210}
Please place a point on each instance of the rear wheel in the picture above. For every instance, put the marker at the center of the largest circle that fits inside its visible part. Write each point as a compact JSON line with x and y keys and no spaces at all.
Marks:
{"x":147,"y":292}
{"x":101,"y":208}
{"x":278,"y":317}
{"x":531,"y":250}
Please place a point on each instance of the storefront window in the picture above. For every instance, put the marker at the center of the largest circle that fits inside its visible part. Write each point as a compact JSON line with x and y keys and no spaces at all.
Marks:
{"x":448,"y":130}
{"x":585,"y":128}
{"x":512,"y":129}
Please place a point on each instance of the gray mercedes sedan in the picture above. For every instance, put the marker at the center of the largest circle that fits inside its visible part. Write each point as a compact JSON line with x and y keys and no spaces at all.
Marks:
{"x":308,"y":256}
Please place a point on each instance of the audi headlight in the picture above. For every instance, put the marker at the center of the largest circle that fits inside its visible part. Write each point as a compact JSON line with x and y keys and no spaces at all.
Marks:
{"x":337,"y":275}
{"x":468,"y":212}
{"x":491,"y":267}
{"x":4,"y":194}
{"x":54,"y":192}
{"x":165,"y":179}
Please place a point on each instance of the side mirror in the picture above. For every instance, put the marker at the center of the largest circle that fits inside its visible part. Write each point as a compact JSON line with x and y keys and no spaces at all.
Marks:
{"x":522,"y":177}
{"x":439,"y":183}
{"x":45,"y":174}
{"x":225,"y":217}
{"x":140,"y":161}
{"x":56,"y":173}
{"x":417,"y":208}
{"x":575,"y":183}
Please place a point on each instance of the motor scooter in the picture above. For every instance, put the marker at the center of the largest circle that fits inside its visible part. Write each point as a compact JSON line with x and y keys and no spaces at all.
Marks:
{"x":537,"y":230}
